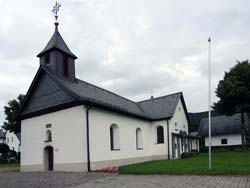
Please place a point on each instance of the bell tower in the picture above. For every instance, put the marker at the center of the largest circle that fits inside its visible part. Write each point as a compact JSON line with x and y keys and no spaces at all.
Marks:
{"x":56,"y":55}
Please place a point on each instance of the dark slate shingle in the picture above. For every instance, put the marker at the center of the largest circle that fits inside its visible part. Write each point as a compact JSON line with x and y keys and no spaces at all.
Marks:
{"x":157,"y":108}
{"x":221,"y":125}
{"x":161,"y":107}
{"x":57,"y":42}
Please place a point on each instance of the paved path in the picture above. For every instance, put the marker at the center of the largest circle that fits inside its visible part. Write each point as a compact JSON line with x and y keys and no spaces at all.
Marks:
{"x":99,"y":180}
{"x":165,"y":181}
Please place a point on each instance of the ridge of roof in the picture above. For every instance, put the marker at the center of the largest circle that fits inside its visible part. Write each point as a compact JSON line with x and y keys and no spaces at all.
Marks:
{"x":148,"y":100}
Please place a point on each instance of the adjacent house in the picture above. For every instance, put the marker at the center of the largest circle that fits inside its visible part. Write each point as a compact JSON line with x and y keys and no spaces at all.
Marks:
{"x":68,"y":124}
{"x":13,"y":141}
{"x":225,"y":130}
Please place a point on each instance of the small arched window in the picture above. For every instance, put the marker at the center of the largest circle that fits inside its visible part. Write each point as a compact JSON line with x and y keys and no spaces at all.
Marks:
{"x":48,"y":136}
{"x":114,"y":137}
{"x":139,"y":142}
{"x":160,"y":135}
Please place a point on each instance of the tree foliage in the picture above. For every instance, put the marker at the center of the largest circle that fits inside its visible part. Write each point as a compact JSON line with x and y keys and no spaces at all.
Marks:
{"x":12,"y":124}
{"x":234,"y":93}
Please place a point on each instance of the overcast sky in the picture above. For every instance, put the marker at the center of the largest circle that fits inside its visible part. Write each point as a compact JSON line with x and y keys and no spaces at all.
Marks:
{"x":131,"y":47}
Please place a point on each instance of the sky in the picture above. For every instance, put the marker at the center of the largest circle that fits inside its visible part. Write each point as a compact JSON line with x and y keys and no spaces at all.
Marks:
{"x":133,"y":48}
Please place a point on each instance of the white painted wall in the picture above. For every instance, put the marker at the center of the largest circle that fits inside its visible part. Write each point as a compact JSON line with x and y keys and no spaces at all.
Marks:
{"x":177,"y":123}
{"x":232,"y":139}
{"x":68,"y":137}
{"x":12,"y":141}
{"x":100,"y":122}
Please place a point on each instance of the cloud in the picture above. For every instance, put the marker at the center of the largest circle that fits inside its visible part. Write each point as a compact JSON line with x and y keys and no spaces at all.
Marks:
{"x":129,"y":47}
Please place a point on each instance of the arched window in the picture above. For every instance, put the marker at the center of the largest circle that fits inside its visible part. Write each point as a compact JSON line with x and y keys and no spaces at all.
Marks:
{"x":160,"y":135}
{"x":48,"y":136}
{"x":114,"y":137}
{"x":139,"y":144}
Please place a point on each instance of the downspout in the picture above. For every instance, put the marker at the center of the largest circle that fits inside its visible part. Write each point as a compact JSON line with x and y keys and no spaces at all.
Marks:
{"x":168,"y":140}
{"x":87,"y":134}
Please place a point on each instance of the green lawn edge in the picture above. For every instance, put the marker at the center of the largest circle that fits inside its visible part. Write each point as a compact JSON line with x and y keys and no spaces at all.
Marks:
{"x":10,"y":167}
{"x":223,"y":163}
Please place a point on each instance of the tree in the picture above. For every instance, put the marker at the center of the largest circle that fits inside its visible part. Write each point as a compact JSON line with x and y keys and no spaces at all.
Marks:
{"x":4,"y":148}
{"x":11,"y":124}
{"x":234,"y":94}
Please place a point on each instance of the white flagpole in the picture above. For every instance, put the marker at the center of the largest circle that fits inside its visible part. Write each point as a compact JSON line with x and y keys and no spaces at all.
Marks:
{"x":209,"y":101}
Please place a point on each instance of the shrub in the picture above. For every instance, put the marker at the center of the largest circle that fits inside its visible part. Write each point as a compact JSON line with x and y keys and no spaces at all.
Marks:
{"x":12,"y":160}
{"x":12,"y":153}
{"x":3,"y":160}
{"x":193,"y":153}
{"x":4,"y":148}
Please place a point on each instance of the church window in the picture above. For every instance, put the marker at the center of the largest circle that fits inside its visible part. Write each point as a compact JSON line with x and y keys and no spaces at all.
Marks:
{"x":48,"y":125}
{"x":48,"y":136}
{"x":65,"y":66}
{"x":160,"y":135}
{"x":139,"y":144}
{"x":114,"y":137}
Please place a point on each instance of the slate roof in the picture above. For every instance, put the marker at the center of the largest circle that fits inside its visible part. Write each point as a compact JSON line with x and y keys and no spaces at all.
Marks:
{"x":57,"y":42}
{"x":153,"y":109}
{"x":2,"y":134}
{"x":221,"y":125}
{"x":161,"y":107}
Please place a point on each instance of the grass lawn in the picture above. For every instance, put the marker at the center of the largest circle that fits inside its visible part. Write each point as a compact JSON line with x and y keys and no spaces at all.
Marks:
{"x":9,"y":167}
{"x":222,"y":163}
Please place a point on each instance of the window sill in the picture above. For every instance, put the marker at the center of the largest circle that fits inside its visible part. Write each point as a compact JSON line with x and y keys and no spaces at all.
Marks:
{"x":139,"y":148}
{"x":46,"y":141}
{"x":159,"y":143}
{"x":115,"y":149}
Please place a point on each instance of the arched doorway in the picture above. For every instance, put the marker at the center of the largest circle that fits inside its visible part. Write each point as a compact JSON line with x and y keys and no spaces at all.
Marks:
{"x":48,"y":158}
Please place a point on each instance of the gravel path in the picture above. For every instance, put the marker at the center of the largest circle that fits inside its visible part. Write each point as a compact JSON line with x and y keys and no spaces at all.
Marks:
{"x":102,"y":180}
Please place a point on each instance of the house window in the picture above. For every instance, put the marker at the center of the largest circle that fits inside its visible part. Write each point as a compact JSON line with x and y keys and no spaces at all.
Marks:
{"x":160,"y":135}
{"x":224,"y":141}
{"x":48,"y":126}
{"x":65,"y":66}
{"x":47,"y":61}
{"x":114,"y":137}
{"x":175,"y":124}
{"x":48,"y":136}
{"x":12,"y":139}
{"x":139,"y":139}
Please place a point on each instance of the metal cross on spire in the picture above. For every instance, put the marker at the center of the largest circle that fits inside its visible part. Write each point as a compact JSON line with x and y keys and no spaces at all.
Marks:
{"x":56,"y":9}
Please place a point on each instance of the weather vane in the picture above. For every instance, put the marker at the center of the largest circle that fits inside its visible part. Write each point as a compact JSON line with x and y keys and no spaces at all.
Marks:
{"x":56,"y":9}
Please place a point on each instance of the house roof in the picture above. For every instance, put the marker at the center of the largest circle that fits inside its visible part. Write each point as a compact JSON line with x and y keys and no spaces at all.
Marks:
{"x":221,"y":125}
{"x":84,"y":92}
{"x":57,"y":42}
{"x":161,"y":107}
{"x":2,"y":134}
